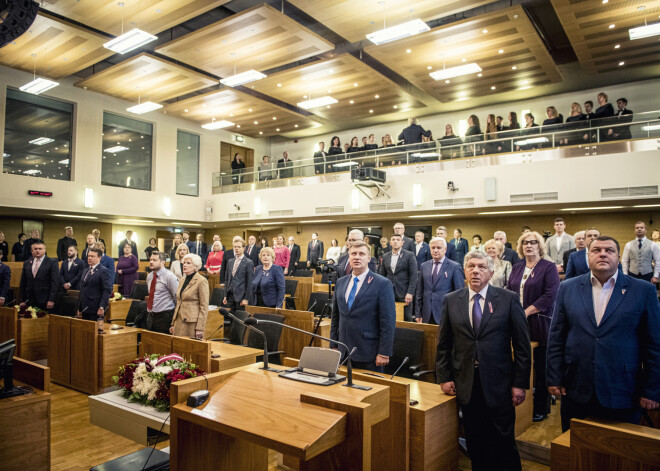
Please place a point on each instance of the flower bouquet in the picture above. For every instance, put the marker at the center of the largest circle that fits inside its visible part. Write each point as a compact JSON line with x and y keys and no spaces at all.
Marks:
{"x":116,"y":296}
{"x":147,"y":380}
{"x":30,"y":312}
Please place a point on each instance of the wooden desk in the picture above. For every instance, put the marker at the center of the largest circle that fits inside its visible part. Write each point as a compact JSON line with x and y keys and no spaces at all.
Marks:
{"x":399,"y":311}
{"x":116,"y":348}
{"x":293,"y":342}
{"x":322,"y":288}
{"x":214,"y":281}
{"x":16,"y":269}
{"x":251,"y":411}
{"x":31,"y":335}
{"x":118,"y":310}
{"x":232,"y":356}
{"x":303,"y":290}
{"x":25,"y":421}
{"x":560,"y":452}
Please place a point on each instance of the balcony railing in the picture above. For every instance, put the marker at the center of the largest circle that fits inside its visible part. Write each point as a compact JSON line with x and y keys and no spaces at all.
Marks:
{"x":526,"y":140}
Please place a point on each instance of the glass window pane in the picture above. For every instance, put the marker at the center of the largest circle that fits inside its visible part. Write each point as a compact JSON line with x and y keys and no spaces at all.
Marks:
{"x":126,"y":152}
{"x":37,"y":136}
{"x":187,"y":164}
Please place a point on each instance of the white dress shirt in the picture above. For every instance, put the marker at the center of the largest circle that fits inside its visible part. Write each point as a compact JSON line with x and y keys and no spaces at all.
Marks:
{"x":359,"y":283}
{"x":395,"y":259}
{"x":559,"y":239}
{"x":655,"y":256}
{"x":482,"y":302}
{"x":418,"y":247}
{"x":601,"y":294}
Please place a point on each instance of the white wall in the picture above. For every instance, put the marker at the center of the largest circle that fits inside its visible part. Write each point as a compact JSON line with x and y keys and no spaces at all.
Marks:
{"x":86,"y":170}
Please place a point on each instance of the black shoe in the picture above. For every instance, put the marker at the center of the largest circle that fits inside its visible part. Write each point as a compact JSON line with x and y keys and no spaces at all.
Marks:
{"x":538,"y":417}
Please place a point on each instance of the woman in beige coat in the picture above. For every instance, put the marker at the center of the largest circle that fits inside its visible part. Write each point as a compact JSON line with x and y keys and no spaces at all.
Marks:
{"x":192,"y":304}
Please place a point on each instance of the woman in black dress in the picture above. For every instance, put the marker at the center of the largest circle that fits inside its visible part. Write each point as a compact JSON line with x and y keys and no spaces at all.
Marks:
{"x":237,"y":167}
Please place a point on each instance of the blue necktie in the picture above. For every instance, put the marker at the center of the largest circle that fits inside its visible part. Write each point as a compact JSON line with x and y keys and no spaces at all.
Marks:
{"x":351,"y":295}
{"x":476,"y":313}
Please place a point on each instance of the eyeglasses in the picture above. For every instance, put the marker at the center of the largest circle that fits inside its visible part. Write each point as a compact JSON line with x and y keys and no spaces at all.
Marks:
{"x":530,"y":242}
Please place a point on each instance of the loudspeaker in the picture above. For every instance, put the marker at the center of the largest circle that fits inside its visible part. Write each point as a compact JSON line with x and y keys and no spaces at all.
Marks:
{"x":20,"y":14}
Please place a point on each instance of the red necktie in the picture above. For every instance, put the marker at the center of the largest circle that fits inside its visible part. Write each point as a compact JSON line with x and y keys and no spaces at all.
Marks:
{"x":152,"y":290}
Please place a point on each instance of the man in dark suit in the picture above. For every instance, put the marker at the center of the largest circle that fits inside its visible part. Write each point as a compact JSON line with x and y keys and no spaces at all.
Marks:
{"x":478,"y":327}
{"x":441,"y":231}
{"x":238,"y":283}
{"x":65,"y":242}
{"x":408,"y":243}
{"x":319,"y":159}
{"x":71,"y":270}
{"x":363,"y":314}
{"x":253,"y":250}
{"x":228,"y":255}
{"x":400,"y":267}
{"x":35,"y":237}
{"x":314,"y":250}
{"x":285,"y":163}
{"x":509,"y":254}
{"x":413,"y":133}
{"x":90,"y":241}
{"x":199,"y":248}
{"x":578,"y":263}
{"x":422,"y":251}
{"x":579,"y":239}
{"x":461,"y":246}
{"x":128,"y":241}
{"x":95,"y":288}
{"x":622,"y":115}
{"x":437,"y":278}
{"x":294,"y":259}
{"x":344,"y":265}
{"x":5,"y":281}
{"x":604,"y":343}
{"x":39,"y":279}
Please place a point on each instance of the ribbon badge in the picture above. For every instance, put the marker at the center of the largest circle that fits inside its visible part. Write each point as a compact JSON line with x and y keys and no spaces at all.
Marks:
{"x":370,"y":280}
{"x":490,"y":307}
{"x":446,"y":275}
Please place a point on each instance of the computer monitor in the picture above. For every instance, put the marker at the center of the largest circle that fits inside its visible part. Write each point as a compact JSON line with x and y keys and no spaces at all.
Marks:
{"x":7,"y":349}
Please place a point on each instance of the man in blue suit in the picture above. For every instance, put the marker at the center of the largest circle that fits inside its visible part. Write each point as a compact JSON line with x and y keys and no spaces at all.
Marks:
{"x":422,"y":250}
{"x":461,"y":246}
{"x":364,"y":314}
{"x":578,"y":263}
{"x":95,"y":288}
{"x":604,"y":342}
{"x":71,"y":269}
{"x":441,"y":231}
{"x":437,"y":278}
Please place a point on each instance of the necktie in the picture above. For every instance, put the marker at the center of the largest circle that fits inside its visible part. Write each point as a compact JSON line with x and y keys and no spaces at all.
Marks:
{"x":456,"y":243}
{"x":476,"y":313}
{"x":236,"y":263}
{"x":639,"y":242}
{"x":314,"y":244}
{"x":249,"y":250}
{"x":198,"y":251}
{"x":351,"y":295}
{"x":152,"y":291}
{"x":35,"y":266}
{"x":436,"y":271}
{"x":348,"y":267}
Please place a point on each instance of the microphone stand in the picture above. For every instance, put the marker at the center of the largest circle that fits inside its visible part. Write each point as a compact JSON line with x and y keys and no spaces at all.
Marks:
{"x":318,"y":323}
{"x":349,"y":367}
{"x":249,"y":326}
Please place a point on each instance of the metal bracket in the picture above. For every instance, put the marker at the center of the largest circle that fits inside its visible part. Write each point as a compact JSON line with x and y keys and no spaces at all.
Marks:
{"x":380,"y":189}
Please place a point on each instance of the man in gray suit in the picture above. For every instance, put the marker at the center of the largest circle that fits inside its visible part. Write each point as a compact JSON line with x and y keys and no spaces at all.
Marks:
{"x":238,"y":278}
{"x":478,"y":327}
{"x":559,"y":243}
{"x":400,"y":267}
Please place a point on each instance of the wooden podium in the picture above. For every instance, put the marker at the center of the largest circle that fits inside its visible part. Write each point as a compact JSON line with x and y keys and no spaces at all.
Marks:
{"x":250,"y":411}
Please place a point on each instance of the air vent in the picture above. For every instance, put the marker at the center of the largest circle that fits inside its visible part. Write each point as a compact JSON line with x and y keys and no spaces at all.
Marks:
{"x":385,"y":206}
{"x":534,"y":197}
{"x":281,"y":212}
{"x":239,"y":215}
{"x":453,"y":202}
{"x":329,"y":209}
{"x":630,"y":191}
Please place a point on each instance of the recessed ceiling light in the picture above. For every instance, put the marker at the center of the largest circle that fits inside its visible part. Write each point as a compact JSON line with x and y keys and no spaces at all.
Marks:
{"x":525,"y":82}
{"x":617,"y":46}
{"x":256,"y":122}
{"x":274,"y":118}
{"x":612,"y":26}
{"x":484,"y":31}
{"x":186,"y":110}
{"x":464,"y":60}
{"x":327,"y":106}
{"x":260,"y":132}
{"x":351,"y":102}
{"x":250,"y":110}
{"x":377,"y":96}
{"x":621,"y":63}
{"x":329,"y":91}
{"x":605,"y":1}
{"x":355,"y":84}
{"x":501,"y":51}
{"x":279,"y":84}
{"x":514,"y":67}
{"x":408,"y":51}
{"x":395,"y":107}
{"x":277,"y":129}
{"x":428,"y":67}
{"x":446,"y":81}
{"x":641,"y":8}
{"x":403,"y":30}
{"x":480,"y":75}
{"x":231,"y":114}
{"x":242,"y":78}
{"x":371,"y":111}
{"x":238,"y":125}
{"x":493,"y":87}
{"x":295,"y":125}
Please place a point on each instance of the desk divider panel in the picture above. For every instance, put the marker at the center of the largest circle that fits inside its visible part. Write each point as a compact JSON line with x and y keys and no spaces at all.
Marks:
{"x":32,"y":338}
{"x":155,"y":343}
{"x":214,"y":325}
{"x":59,"y":349}
{"x":8,"y":322}
{"x":84,"y":367}
{"x":34,"y":374}
{"x":303,"y":290}
{"x":195,"y":351}
{"x":430,"y":347}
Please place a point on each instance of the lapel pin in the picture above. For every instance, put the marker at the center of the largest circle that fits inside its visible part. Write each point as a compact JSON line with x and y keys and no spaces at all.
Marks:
{"x":490,"y":307}
{"x":623,"y":291}
{"x":446,"y":275}
{"x":369,"y":280}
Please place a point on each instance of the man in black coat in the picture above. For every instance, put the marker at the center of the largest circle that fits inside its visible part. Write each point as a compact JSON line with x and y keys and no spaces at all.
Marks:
{"x":39,"y":279}
{"x":400,"y":267}
{"x":478,"y":327}
{"x":294,"y":260}
{"x":413,"y":133}
{"x":71,"y":270}
{"x":91,"y":240}
{"x":314,"y":250}
{"x":238,"y":281}
{"x":253,"y":250}
{"x":95,"y":288}
{"x":128,"y":241}
{"x":65,"y":242}
{"x":27,"y":246}
{"x":319,"y":159}
{"x":408,"y":243}
{"x":509,"y":254}
{"x":461,"y":245}
{"x":343,"y":264}
{"x":283,"y":164}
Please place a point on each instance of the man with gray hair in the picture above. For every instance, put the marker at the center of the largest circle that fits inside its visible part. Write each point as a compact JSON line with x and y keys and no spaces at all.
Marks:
{"x":578,"y":262}
{"x":343,"y":265}
{"x":580,"y":244}
{"x":441,"y":231}
{"x":162,"y":286}
{"x":413,"y":133}
{"x":478,"y":327}
{"x":509,"y":254}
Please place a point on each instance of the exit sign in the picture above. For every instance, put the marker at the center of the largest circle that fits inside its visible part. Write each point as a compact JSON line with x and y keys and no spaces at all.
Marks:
{"x":238,"y":138}
{"x":40,"y":193}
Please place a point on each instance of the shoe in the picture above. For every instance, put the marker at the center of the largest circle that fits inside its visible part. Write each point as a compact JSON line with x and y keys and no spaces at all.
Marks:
{"x":538,"y":417}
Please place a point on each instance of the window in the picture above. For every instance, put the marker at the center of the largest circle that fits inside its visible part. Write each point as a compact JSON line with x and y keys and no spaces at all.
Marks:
{"x":187,"y":164}
{"x":37,"y":136}
{"x":126,"y":152}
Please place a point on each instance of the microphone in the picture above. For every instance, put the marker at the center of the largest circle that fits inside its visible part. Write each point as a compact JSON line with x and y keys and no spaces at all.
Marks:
{"x":352,"y":352}
{"x":311,"y":308}
{"x":349,"y":368}
{"x":250,"y":326}
{"x":405,"y":360}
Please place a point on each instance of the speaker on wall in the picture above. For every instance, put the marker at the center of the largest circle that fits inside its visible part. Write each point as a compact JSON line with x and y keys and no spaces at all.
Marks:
{"x":17,"y":17}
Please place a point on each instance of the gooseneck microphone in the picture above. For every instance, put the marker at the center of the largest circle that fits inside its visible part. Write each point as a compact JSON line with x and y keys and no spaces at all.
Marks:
{"x":251,"y":327}
{"x":405,"y":360}
{"x":349,"y":368}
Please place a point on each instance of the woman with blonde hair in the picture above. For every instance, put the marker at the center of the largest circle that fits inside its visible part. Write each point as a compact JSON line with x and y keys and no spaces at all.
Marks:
{"x":495,"y":250}
{"x":189,"y":319}
{"x":268,"y":284}
{"x":175,"y":266}
{"x":577,"y":119}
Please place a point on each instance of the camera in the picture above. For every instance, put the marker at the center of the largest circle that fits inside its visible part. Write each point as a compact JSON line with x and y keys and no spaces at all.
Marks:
{"x":326,"y":266}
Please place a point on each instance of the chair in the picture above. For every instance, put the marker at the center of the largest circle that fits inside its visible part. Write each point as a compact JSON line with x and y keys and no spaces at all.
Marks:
{"x":318,"y":301}
{"x":273,"y":333}
{"x":67,"y":306}
{"x":407,"y":343}
{"x":236,"y":332}
{"x":136,"y":315}
{"x":304,"y":273}
{"x":142,"y":275}
{"x":290,"y":287}
{"x":217,"y":296}
{"x":139,"y":291}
